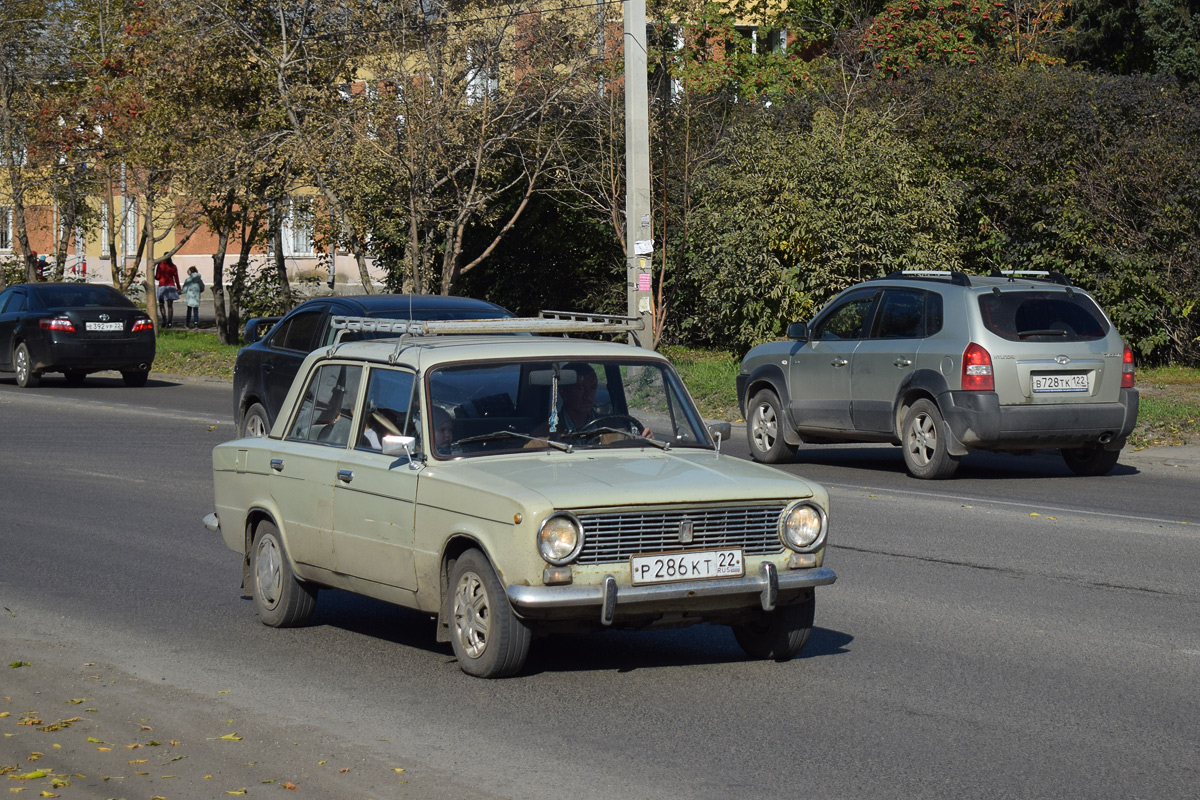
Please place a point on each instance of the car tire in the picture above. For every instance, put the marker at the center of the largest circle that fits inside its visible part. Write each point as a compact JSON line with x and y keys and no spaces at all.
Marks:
{"x":255,"y":424}
{"x":1090,"y":460}
{"x":135,"y":377}
{"x":27,"y":377}
{"x":924,"y":442}
{"x":764,"y":429}
{"x":75,"y":377}
{"x":780,"y":634}
{"x":280,"y":600}
{"x":489,"y":640}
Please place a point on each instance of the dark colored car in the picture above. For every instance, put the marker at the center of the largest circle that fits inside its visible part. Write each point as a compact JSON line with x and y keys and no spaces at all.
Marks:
{"x":265,"y":367}
{"x":75,"y":329}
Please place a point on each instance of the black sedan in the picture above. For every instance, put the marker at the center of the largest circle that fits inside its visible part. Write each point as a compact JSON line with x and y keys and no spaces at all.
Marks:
{"x":265,"y":367}
{"x":73,"y":328}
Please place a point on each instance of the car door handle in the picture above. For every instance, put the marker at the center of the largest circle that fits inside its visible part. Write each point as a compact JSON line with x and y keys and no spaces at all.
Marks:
{"x":277,"y":464}
{"x":345,"y":475}
{"x":903,"y":362}
{"x":268,"y":367}
{"x":839,"y":362}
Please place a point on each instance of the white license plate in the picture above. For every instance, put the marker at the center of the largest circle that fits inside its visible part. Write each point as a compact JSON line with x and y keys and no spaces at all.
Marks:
{"x":105,"y":326}
{"x":1075,"y":382}
{"x":694,"y":566}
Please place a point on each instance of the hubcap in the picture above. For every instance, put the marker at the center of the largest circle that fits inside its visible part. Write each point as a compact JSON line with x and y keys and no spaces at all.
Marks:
{"x":765,"y":427}
{"x":472,"y":614}
{"x":268,"y":566}
{"x":922,"y":439}
{"x":22,"y":365}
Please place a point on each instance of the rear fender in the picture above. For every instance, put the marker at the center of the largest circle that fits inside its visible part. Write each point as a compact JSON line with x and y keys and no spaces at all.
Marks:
{"x":931,"y":385}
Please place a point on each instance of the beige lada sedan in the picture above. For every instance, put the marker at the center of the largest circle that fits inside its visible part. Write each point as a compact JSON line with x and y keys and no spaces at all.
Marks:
{"x":513,"y":486}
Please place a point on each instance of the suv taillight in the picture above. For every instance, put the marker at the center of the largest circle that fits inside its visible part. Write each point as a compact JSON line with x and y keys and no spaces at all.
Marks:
{"x":56,"y":324}
{"x":142,"y":324}
{"x":1127,"y":369}
{"x":977,"y":370}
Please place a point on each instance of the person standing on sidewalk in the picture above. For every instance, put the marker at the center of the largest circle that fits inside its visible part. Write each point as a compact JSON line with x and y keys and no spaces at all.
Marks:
{"x":167,"y":278}
{"x":193,"y":287}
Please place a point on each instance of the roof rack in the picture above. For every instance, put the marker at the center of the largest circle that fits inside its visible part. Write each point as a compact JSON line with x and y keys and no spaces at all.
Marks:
{"x":1036,"y":274}
{"x":954,"y":276}
{"x":550,"y":322}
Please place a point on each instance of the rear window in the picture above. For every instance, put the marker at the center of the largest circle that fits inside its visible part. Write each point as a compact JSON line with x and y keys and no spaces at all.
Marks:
{"x":81,"y":296}
{"x":1043,"y":316}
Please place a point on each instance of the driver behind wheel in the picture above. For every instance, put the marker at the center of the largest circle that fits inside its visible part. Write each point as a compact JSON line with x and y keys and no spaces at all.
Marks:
{"x":577,"y":401}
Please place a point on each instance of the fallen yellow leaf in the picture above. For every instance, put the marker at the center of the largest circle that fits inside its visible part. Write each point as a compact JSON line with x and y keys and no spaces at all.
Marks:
{"x":49,"y":794}
{"x":137,"y":761}
{"x":290,"y":785}
{"x":1035,"y":514}
{"x":232,"y":737}
{"x":4,"y":713}
{"x":94,"y":740}
{"x":104,"y":749}
{"x":397,"y":769}
{"x":236,"y":791}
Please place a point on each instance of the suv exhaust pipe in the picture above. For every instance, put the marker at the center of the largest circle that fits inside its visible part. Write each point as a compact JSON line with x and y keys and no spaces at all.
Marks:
{"x":1105,"y":438}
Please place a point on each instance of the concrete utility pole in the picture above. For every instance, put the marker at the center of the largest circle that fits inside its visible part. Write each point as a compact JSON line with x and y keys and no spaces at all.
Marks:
{"x":639,"y":237}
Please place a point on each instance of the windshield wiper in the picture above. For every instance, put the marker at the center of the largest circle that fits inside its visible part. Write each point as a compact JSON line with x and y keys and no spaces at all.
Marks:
{"x":489,"y":437}
{"x":605,"y":429}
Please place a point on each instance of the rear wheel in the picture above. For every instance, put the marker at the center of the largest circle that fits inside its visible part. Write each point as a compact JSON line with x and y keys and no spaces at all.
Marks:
{"x":924,"y":442}
{"x":764,"y":429}
{"x":135,"y":377}
{"x":1092,"y":459}
{"x":75,"y":377}
{"x":280,"y":600}
{"x":27,"y":378}
{"x":254,"y":422}
{"x":488,"y":638}
{"x":779,"y":634}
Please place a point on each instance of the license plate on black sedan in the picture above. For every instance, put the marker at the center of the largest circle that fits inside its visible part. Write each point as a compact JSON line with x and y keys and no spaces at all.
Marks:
{"x":696,"y":565}
{"x":104,"y":326}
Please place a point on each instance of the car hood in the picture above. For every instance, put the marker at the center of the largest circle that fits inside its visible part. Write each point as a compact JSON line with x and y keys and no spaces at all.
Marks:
{"x":598,"y":479}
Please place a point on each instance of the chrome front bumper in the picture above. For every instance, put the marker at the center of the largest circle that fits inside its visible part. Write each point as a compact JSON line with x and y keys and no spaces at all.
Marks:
{"x":767,"y":583}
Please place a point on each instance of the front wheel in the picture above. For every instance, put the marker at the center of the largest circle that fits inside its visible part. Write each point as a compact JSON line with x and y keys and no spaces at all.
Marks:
{"x":764,"y":429}
{"x":924,"y":442}
{"x":1090,"y":460}
{"x":280,"y":600}
{"x":780,"y":634}
{"x":488,"y":638}
{"x":27,"y":378}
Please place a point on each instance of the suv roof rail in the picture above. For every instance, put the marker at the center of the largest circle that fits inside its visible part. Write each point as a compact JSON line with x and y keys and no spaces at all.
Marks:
{"x":1036,"y":274}
{"x":952,"y":275}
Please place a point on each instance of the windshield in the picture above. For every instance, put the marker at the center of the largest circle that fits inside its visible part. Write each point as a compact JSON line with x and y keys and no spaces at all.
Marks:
{"x":491,"y":407}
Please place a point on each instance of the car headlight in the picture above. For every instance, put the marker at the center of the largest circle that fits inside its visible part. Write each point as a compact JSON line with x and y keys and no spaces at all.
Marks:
{"x":802,"y":526}
{"x":560,"y":538}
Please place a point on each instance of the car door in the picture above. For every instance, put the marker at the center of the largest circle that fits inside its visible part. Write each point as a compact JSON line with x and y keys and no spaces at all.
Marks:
{"x":304,"y":465}
{"x":12,"y":303}
{"x":819,"y":372}
{"x":885,"y":358}
{"x":374,"y":501}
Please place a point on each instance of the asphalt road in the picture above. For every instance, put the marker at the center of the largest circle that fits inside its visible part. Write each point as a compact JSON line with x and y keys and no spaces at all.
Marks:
{"x":1014,"y":632}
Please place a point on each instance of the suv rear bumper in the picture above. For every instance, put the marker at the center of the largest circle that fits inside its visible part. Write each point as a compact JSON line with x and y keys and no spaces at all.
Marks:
{"x":978,"y":420}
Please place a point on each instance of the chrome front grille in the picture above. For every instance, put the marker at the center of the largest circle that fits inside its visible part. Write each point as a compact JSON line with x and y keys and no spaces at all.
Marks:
{"x":617,"y":536}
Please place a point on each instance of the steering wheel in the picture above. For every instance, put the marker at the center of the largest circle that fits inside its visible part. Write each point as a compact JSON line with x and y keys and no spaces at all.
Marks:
{"x":622,"y":422}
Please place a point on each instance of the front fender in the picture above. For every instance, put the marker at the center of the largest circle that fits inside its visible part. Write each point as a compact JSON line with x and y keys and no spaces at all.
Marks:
{"x":769,"y":376}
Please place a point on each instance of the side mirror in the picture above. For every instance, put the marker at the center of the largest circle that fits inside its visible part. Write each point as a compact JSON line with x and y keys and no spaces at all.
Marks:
{"x":798,"y":331}
{"x":721,"y":429}
{"x":257,"y":328}
{"x":399,"y":445}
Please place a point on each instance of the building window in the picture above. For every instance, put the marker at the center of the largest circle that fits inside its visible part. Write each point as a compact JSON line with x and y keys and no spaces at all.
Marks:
{"x":298,"y":228}
{"x":5,"y":228}
{"x":483,"y":76}
{"x":129,"y":224}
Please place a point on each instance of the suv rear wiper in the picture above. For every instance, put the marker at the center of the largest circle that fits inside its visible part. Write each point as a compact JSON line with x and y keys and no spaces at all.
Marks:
{"x":1046,"y":332}
{"x":489,"y":437}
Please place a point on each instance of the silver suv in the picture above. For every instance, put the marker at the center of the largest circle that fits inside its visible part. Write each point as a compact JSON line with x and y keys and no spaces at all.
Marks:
{"x":942,"y":363}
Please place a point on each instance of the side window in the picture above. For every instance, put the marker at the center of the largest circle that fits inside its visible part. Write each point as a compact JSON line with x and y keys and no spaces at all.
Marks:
{"x":933,"y":313}
{"x":389,"y":394}
{"x":848,"y":320}
{"x":299,"y":332}
{"x":902,"y":315}
{"x":327,"y":409}
{"x":5,"y":297}
{"x":16,"y":303}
